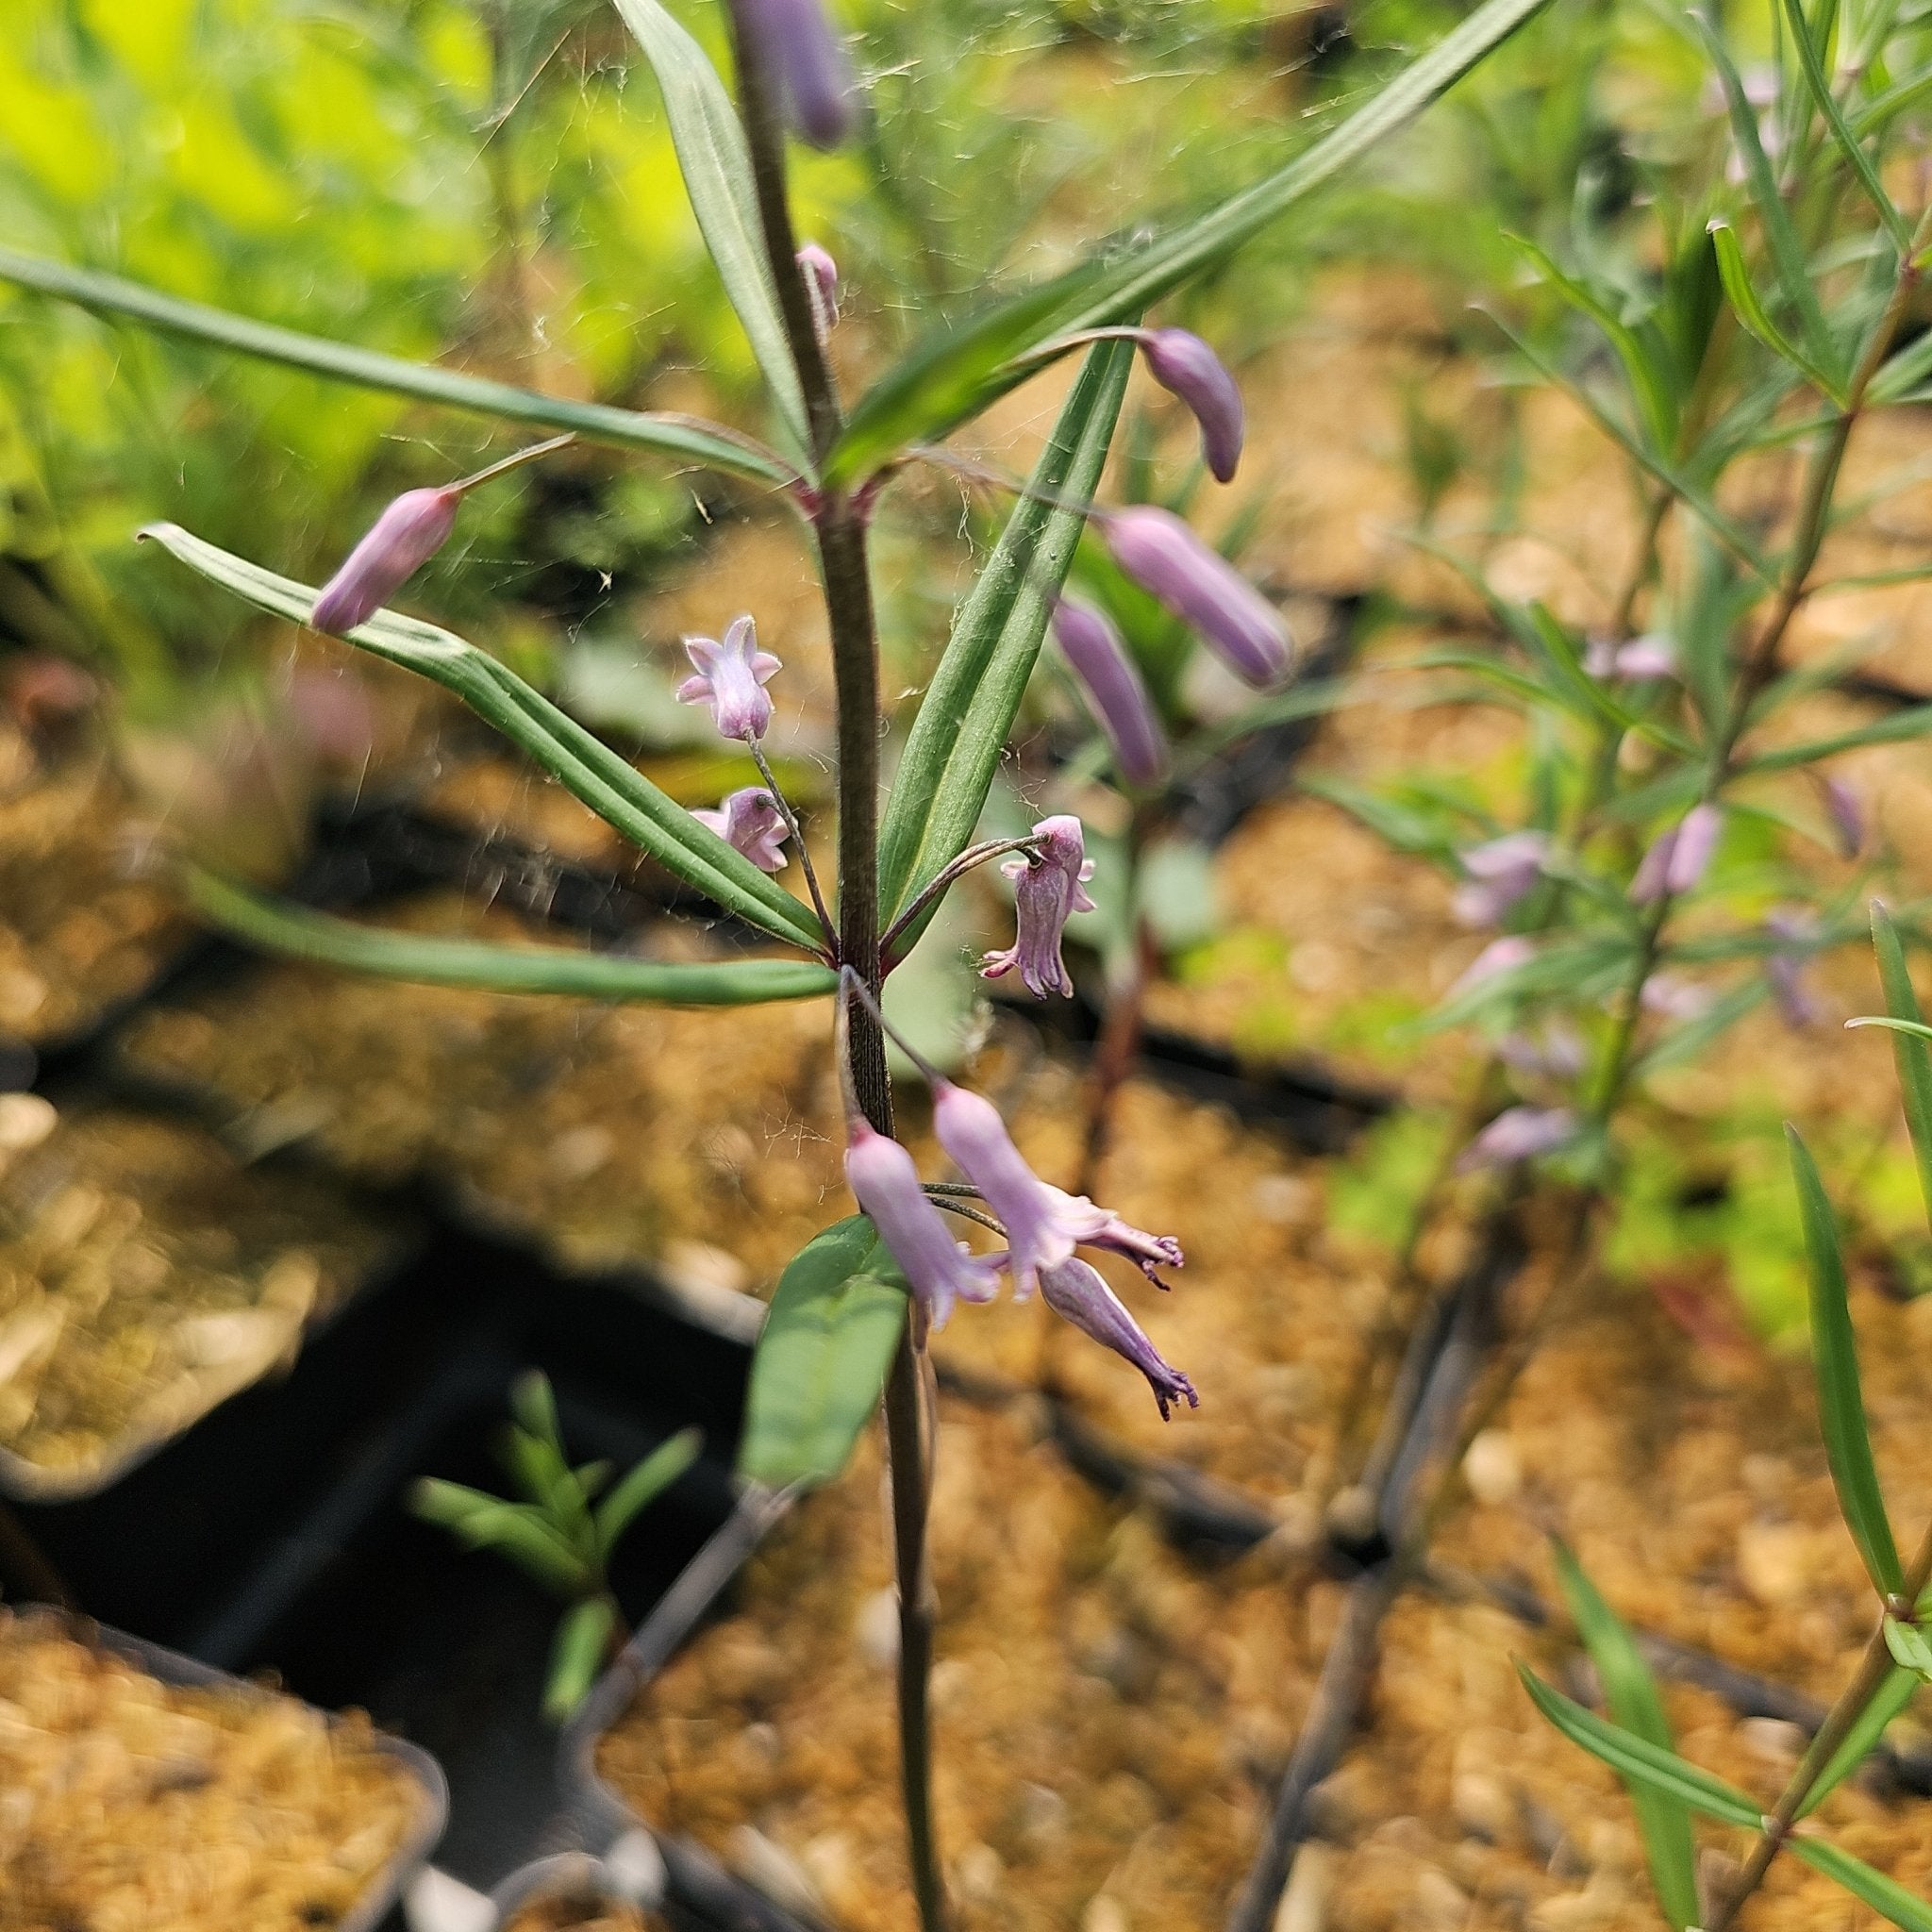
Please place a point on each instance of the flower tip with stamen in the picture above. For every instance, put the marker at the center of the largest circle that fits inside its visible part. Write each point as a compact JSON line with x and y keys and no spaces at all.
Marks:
{"x":1047,"y":891}
{"x":731,"y":678}
{"x":400,"y":541}
{"x":749,"y":821}
{"x":1076,"y":1291}
{"x":1116,"y":695}
{"x":1200,"y":587}
{"x":808,"y":58}
{"x":1185,"y":366}
{"x":885,"y":1183}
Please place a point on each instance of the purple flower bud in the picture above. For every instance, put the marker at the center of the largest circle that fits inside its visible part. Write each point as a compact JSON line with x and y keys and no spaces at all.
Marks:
{"x":1518,"y":1133}
{"x":1556,"y":1051}
{"x":750,"y":822}
{"x":810,"y":61}
{"x":1499,"y":956}
{"x":400,"y":541}
{"x":1652,"y":656}
{"x":1674,"y":998}
{"x":1847,"y":815}
{"x":1785,"y":969}
{"x":1114,"y":691}
{"x":885,"y":1184}
{"x":1076,"y":1291}
{"x":1501,"y":873}
{"x":1183,"y":364}
{"x":1676,"y":859}
{"x":1202,"y":589}
{"x":822,"y":286}
{"x":1046,"y":893}
{"x":731,"y":679}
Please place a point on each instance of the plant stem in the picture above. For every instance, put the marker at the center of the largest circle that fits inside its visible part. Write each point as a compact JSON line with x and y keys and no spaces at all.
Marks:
{"x":846,"y":577}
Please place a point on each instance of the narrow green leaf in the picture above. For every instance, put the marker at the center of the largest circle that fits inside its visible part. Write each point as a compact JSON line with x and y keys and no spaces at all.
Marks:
{"x":1752,"y":312}
{"x":577,"y":1656}
{"x":623,"y":797}
{"x":1840,"y":1401}
{"x":1633,"y":1757}
{"x":518,"y":1530}
{"x":533,"y":1402}
{"x":1631,"y":1694}
{"x":1898,"y":727}
{"x":960,"y":735}
{"x":821,"y":1357}
{"x":1121,"y":286}
{"x":111,"y":295}
{"x":649,"y":1479}
{"x":299,"y":934}
{"x":1884,"y":1896}
{"x":716,"y":166}
{"x":1910,"y":1055}
{"x":1897,"y":1691}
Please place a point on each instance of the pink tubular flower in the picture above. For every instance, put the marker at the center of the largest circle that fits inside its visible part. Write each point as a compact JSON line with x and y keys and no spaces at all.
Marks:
{"x":1676,"y":859}
{"x":1101,"y":1227}
{"x":1518,"y":1133}
{"x":885,"y":1184}
{"x":810,"y":61}
{"x":731,"y":679}
{"x":1074,"y":1290}
{"x":1648,"y":656}
{"x":1785,"y":969}
{"x":400,"y":541}
{"x":822,"y":286}
{"x":1046,"y":893}
{"x":1185,"y":366}
{"x":1202,"y":589}
{"x":1115,"y":694}
{"x":1499,"y":956}
{"x":750,"y":822}
{"x":1500,"y":873}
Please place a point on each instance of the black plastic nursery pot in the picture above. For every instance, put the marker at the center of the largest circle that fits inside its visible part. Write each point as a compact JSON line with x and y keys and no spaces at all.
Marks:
{"x":624,"y":1890}
{"x":385,"y":1887}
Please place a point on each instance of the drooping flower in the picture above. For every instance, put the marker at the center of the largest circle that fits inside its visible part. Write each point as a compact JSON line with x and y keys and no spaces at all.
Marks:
{"x":1202,"y":589}
{"x":731,"y":678}
{"x":809,"y":63}
{"x":1518,"y":1133}
{"x":1115,"y":692}
{"x":884,"y":1182}
{"x":1500,"y":956}
{"x":1076,"y":1291}
{"x":1784,"y":968}
{"x":1101,"y":1227}
{"x":400,"y":541}
{"x":1185,"y":366}
{"x":1500,"y":873}
{"x":822,"y":285}
{"x":750,"y":822}
{"x":1046,"y":893}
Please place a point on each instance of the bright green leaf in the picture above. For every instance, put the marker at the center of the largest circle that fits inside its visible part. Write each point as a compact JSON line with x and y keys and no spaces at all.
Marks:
{"x":577,"y":1656}
{"x":1752,"y":315}
{"x":1909,"y":1052}
{"x":1897,"y":1691}
{"x":648,"y":1481}
{"x":1883,"y":1895}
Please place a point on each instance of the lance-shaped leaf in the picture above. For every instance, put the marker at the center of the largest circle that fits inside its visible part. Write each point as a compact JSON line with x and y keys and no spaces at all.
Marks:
{"x":520,"y":1530}
{"x":1910,"y":1053}
{"x":959,"y":735}
{"x":1742,"y":294}
{"x":1899,"y":727}
{"x":1631,"y":1692}
{"x":649,"y":1479}
{"x":821,"y":1357}
{"x":675,"y":436}
{"x":299,"y":933}
{"x":623,"y":797}
{"x":965,"y":373}
{"x":576,"y":1654}
{"x":716,"y":167}
{"x":1840,"y":1401}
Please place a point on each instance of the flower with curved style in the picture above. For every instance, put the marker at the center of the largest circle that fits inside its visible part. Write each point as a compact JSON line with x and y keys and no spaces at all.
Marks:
{"x":885,"y":1183}
{"x":1047,"y":892}
{"x":400,"y":541}
{"x":1500,"y":872}
{"x":1676,"y":859}
{"x":1115,"y":694}
{"x":1185,"y":366}
{"x":1074,"y":1290}
{"x":810,"y":61}
{"x":749,"y":821}
{"x":1202,"y":589}
{"x":1518,"y":1133}
{"x":731,"y":678}
{"x":822,"y":285}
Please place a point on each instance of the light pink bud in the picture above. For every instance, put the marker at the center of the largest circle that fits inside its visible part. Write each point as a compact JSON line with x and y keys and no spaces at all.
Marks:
{"x":1651,"y":655}
{"x":1202,"y":589}
{"x":731,"y":679}
{"x":822,"y":286}
{"x":1183,"y":364}
{"x":400,"y":541}
{"x":1501,"y":873}
{"x":1076,"y":1291}
{"x":1115,"y":694}
{"x":885,"y":1183}
{"x":1046,"y":893}
{"x":1499,"y":956}
{"x":1785,"y":969}
{"x":1847,"y":815}
{"x":1556,"y":1052}
{"x":809,"y":63}
{"x":1676,"y":859}
{"x":750,"y":822}
{"x":1518,"y":1133}
{"x":1674,"y":998}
